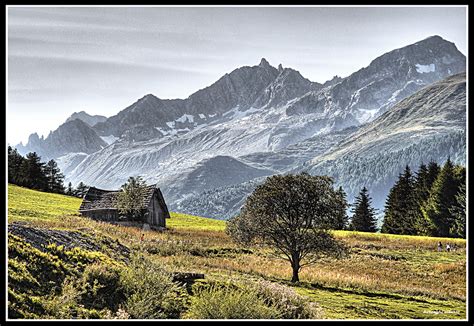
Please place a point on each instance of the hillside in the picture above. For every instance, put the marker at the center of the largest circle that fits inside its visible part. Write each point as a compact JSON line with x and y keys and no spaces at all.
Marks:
{"x":50,"y":246}
{"x":255,"y":114}
{"x":428,"y":125}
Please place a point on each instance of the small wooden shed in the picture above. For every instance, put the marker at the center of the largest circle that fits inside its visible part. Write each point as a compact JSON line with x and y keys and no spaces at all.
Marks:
{"x":101,"y":205}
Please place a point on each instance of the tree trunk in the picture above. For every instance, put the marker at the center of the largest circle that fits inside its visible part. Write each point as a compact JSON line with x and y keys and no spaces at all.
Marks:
{"x":295,"y":277}
{"x":295,"y":265}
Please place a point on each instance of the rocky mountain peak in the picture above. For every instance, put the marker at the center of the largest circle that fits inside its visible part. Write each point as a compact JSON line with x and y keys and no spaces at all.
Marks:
{"x":264,"y":63}
{"x":336,"y":79}
{"x":149,"y":97}
{"x":33,"y":137}
{"x":432,"y":39}
{"x":91,"y":120}
{"x":280,"y":68}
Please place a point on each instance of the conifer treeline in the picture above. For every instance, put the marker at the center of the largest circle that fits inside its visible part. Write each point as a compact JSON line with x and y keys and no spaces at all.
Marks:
{"x":431,"y":202}
{"x":31,"y":173}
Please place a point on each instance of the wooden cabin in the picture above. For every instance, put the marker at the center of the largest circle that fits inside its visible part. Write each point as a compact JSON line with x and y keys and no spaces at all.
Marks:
{"x":100,"y":204}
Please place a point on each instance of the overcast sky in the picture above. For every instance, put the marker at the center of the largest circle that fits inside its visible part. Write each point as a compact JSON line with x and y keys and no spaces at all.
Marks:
{"x":102,"y":59}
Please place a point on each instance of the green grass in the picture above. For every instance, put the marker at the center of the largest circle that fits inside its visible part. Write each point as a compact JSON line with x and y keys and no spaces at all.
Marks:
{"x":190,"y":222}
{"x":350,"y":304}
{"x":27,"y":204}
{"x":411,"y":239}
{"x":385,"y":277}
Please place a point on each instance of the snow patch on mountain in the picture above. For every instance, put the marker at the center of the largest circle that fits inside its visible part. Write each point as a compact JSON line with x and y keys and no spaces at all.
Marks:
{"x":109,"y":139}
{"x":68,"y":162}
{"x":366,"y":115}
{"x":186,"y":117}
{"x":423,"y":69}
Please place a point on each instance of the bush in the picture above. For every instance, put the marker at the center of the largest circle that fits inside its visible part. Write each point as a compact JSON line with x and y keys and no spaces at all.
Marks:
{"x":150,"y":292}
{"x":250,"y":300}
{"x":67,"y":305}
{"x":289,"y":304}
{"x":216,"y":302}
{"x":102,"y":288}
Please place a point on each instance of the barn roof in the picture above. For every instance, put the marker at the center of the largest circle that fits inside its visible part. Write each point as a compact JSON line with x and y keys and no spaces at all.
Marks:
{"x":99,"y":199}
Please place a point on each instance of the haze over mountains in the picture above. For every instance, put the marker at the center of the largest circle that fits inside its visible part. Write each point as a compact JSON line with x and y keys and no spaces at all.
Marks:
{"x":207,"y":152}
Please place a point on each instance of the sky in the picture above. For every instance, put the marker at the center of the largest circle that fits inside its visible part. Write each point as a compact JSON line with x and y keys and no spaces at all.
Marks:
{"x":100,"y":60}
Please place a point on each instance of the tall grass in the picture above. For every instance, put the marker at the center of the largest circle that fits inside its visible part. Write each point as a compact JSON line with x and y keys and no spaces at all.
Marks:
{"x":379,"y":267}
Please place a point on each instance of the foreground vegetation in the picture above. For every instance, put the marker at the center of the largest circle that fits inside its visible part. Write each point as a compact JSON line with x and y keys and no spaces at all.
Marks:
{"x":384,"y":277}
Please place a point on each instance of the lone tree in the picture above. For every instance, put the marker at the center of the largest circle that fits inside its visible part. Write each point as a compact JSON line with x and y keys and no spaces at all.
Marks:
{"x":129,"y":201}
{"x":364,"y":214}
{"x":291,"y":214}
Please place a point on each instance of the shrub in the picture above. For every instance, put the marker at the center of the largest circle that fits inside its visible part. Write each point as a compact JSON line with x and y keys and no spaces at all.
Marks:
{"x":120,"y":314}
{"x":150,"y":292}
{"x":44,"y":272}
{"x":290,"y":304}
{"x":102,"y":288}
{"x":250,"y":300}
{"x":67,"y":305}
{"x":216,"y":302}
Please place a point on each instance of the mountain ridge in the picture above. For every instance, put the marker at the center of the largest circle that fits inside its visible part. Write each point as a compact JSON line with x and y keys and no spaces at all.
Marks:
{"x":339,"y":103}
{"x":270,"y":119}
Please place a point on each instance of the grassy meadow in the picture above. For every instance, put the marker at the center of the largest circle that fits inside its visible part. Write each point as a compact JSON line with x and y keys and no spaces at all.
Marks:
{"x":384,"y":277}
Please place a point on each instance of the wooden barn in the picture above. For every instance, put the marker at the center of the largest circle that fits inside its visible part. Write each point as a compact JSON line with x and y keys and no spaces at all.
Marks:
{"x":101,"y":205}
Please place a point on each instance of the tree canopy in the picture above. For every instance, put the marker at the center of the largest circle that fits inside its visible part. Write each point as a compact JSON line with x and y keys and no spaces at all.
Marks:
{"x":130,"y":198}
{"x":293,"y":215}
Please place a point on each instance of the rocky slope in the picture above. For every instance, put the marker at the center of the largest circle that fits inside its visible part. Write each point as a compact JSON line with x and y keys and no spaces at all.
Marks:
{"x":429,"y":125}
{"x":305,"y":107}
{"x":71,"y":137}
{"x":259,"y":117}
{"x":91,"y":120}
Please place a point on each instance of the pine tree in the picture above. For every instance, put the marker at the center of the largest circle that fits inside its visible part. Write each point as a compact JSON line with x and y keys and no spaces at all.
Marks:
{"x":422,"y":183}
{"x":364,"y":218}
{"x":458,"y":211}
{"x":433,"y":171}
{"x":69,"y":189}
{"x":424,"y":179}
{"x":341,"y":218}
{"x":15,"y":160}
{"x":32,"y":173}
{"x":442,"y":198}
{"x":81,"y":190}
{"x":55,"y":177}
{"x":401,"y":207}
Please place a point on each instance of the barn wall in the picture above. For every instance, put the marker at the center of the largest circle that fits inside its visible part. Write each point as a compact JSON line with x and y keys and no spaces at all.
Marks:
{"x":156,"y":213}
{"x":159,"y":210}
{"x":102,"y":215}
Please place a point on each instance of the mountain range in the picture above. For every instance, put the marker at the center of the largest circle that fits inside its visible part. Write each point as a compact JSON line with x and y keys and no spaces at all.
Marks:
{"x":207,"y":152}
